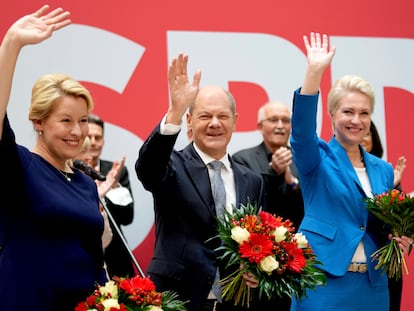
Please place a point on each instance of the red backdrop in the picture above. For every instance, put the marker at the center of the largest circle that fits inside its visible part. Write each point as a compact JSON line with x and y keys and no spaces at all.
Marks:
{"x":142,"y":102}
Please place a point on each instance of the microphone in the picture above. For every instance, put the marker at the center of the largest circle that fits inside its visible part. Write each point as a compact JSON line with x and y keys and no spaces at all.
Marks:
{"x":94,"y":174}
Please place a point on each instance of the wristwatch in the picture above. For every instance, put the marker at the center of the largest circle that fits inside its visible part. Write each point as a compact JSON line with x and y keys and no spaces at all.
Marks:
{"x":294,"y":183}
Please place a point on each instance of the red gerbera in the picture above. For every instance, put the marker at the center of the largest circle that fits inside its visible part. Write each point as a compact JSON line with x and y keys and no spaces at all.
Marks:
{"x":296,"y":259}
{"x":270,"y":220}
{"x":256,"y":248}
{"x":132,"y":284}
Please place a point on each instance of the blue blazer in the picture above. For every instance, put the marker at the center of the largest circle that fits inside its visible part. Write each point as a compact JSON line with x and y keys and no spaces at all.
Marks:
{"x":184,"y":260}
{"x":336,"y":218}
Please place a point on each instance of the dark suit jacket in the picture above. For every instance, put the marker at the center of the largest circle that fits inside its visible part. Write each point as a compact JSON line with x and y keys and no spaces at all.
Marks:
{"x":184,"y":260}
{"x":281,"y":199}
{"x":117,"y":257}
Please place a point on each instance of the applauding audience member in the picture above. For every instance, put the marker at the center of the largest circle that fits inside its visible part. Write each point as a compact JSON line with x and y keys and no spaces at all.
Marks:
{"x":372,"y":144}
{"x":119,"y":201}
{"x":272,"y":159}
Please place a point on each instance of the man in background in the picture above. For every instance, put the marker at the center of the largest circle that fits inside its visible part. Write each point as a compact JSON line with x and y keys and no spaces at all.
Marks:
{"x":272,"y":159}
{"x":119,"y":201}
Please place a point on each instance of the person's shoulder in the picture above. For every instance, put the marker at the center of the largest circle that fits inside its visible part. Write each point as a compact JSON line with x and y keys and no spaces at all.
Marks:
{"x":377,"y":161}
{"x":243,"y":153}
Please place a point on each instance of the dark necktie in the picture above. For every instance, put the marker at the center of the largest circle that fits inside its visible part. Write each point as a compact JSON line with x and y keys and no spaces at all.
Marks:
{"x":219,"y":195}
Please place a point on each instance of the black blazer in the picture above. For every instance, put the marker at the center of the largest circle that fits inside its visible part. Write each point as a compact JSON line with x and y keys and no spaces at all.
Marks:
{"x":117,"y":256}
{"x":183,"y":260}
{"x":281,"y":199}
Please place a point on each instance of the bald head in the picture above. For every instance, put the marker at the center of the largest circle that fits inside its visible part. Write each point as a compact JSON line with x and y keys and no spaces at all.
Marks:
{"x":274,"y":124}
{"x":216,"y":93}
{"x":265,"y":110}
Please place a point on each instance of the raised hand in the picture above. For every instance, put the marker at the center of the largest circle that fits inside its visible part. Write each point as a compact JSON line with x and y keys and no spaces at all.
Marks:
{"x":318,"y":54}
{"x":319,"y":57}
{"x":182,"y":92}
{"x":38,"y":26}
{"x":399,"y":170}
{"x":29,"y":29}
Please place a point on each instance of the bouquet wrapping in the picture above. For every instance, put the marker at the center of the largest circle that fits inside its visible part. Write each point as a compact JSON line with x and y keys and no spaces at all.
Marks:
{"x":131,"y":294}
{"x":396,"y":209}
{"x":266,"y":246}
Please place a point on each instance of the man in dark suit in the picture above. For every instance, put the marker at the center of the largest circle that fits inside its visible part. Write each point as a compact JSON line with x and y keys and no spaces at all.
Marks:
{"x":272,"y":159}
{"x":184,"y":258}
{"x":119,"y":201}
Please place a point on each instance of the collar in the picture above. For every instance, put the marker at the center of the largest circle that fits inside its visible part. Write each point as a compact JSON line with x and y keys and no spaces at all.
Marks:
{"x":207,"y":159}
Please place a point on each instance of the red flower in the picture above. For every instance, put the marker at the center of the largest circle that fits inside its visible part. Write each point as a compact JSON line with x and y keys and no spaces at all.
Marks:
{"x":270,"y":220}
{"x":296,"y":259}
{"x":131,"y":294}
{"x":258,"y":247}
{"x":137,"y":283}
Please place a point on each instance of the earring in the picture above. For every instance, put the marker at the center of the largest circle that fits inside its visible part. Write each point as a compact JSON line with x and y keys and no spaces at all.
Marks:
{"x":40,"y":133}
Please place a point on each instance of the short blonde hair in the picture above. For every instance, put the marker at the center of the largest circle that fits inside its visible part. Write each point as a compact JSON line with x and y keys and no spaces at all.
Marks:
{"x":51,"y":87}
{"x":346,"y":84}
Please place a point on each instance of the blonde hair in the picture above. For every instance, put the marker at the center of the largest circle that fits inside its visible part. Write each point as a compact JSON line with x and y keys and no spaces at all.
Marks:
{"x":346,"y":84}
{"x":85,"y":146}
{"x":51,"y":87}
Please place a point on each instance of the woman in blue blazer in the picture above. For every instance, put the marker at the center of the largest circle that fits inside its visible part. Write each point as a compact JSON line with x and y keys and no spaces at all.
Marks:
{"x":336,"y":176}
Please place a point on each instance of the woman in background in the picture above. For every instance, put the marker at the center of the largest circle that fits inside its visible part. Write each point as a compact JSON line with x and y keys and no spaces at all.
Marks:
{"x":372,"y":144}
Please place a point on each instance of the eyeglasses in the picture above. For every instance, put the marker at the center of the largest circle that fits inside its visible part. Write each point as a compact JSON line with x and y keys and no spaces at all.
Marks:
{"x":277,"y":120}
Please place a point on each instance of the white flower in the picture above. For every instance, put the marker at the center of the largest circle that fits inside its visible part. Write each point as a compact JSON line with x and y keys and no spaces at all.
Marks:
{"x":109,"y":288}
{"x":301,"y":240}
{"x":269,"y":264}
{"x":110,"y":303}
{"x":240,"y":234}
{"x":154,"y":308}
{"x":280,"y":233}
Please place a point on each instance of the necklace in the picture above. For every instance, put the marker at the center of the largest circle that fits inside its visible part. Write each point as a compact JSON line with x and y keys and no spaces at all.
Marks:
{"x":66,"y":175}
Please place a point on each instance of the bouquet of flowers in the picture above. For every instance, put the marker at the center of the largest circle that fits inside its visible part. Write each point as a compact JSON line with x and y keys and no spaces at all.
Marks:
{"x":131,"y":294}
{"x":266,"y":246}
{"x":396,"y":209}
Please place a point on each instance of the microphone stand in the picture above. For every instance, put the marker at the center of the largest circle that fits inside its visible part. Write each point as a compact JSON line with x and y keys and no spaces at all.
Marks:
{"x":96,"y":175}
{"x":121,"y":236}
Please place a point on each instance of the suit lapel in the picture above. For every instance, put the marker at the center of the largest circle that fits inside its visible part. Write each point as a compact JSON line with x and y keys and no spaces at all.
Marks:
{"x":240,"y":182}
{"x":373,"y":172}
{"x":198,"y":174}
{"x":344,"y":165}
{"x":261,"y":157}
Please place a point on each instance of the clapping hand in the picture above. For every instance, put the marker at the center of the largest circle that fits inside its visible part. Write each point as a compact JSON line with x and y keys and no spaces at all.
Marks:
{"x":281,"y":159}
{"x":112,"y":178}
{"x":399,"y":170}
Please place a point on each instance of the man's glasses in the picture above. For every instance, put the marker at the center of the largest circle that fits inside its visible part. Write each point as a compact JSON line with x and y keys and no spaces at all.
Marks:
{"x":277,"y":120}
